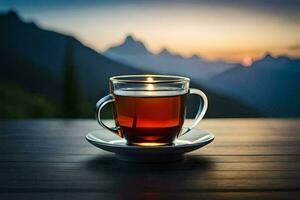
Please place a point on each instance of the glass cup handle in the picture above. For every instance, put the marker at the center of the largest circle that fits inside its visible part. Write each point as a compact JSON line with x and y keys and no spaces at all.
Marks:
{"x":99,"y":106}
{"x":201,"y":112}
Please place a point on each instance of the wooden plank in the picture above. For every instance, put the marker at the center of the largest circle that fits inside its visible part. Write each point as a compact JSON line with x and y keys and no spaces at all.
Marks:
{"x":219,"y":126}
{"x":80,"y":131}
{"x":81,"y":142}
{"x":143,"y":183}
{"x":108,"y":156}
{"x":211,"y":149}
{"x":62,"y":174}
{"x":111,"y":163}
{"x":274,"y":195}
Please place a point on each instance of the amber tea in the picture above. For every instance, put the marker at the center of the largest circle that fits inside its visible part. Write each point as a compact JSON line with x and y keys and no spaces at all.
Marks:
{"x":147,"y":119}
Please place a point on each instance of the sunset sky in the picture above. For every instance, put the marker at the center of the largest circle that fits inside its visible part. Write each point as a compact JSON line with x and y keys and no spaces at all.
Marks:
{"x":228,"y":30}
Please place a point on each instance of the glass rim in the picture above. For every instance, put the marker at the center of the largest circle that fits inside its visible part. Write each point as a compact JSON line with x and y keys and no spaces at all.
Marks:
{"x":160,"y":79}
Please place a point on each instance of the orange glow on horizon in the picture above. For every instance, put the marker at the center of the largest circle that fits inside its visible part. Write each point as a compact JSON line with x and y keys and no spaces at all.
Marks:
{"x":247,"y":61}
{"x":214,"y":32}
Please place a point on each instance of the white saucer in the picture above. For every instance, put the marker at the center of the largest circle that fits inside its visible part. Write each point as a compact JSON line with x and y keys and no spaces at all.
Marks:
{"x":191,"y":141}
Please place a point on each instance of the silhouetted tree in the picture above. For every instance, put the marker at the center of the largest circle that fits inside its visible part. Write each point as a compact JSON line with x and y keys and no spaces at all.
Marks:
{"x":72,"y":98}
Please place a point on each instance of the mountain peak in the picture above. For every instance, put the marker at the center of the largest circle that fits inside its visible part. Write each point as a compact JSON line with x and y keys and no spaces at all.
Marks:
{"x":129,"y":38}
{"x":268,"y":55}
{"x":12,"y":14}
{"x":130,"y":46}
{"x":194,"y":57}
{"x":164,"y":51}
{"x":133,"y":44}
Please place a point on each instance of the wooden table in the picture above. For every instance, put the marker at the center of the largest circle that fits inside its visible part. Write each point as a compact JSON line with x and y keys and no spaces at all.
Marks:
{"x":50,"y":159}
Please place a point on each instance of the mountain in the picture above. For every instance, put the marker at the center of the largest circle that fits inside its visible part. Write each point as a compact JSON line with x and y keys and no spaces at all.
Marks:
{"x":130,"y":47}
{"x":34,"y":61}
{"x":45,"y":51}
{"x":136,"y":54}
{"x":271,"y":86}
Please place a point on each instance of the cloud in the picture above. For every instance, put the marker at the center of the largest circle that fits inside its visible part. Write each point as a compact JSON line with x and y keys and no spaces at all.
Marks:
{"x":294,"y":47}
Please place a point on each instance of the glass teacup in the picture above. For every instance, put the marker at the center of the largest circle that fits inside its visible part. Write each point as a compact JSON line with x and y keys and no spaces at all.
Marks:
{"x":149,"y":110}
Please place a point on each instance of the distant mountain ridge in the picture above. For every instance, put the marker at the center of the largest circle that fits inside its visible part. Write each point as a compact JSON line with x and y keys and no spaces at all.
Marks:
{"x":133,"y":52}
{"x":271,"y":85}
{"x":33,"y":59}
